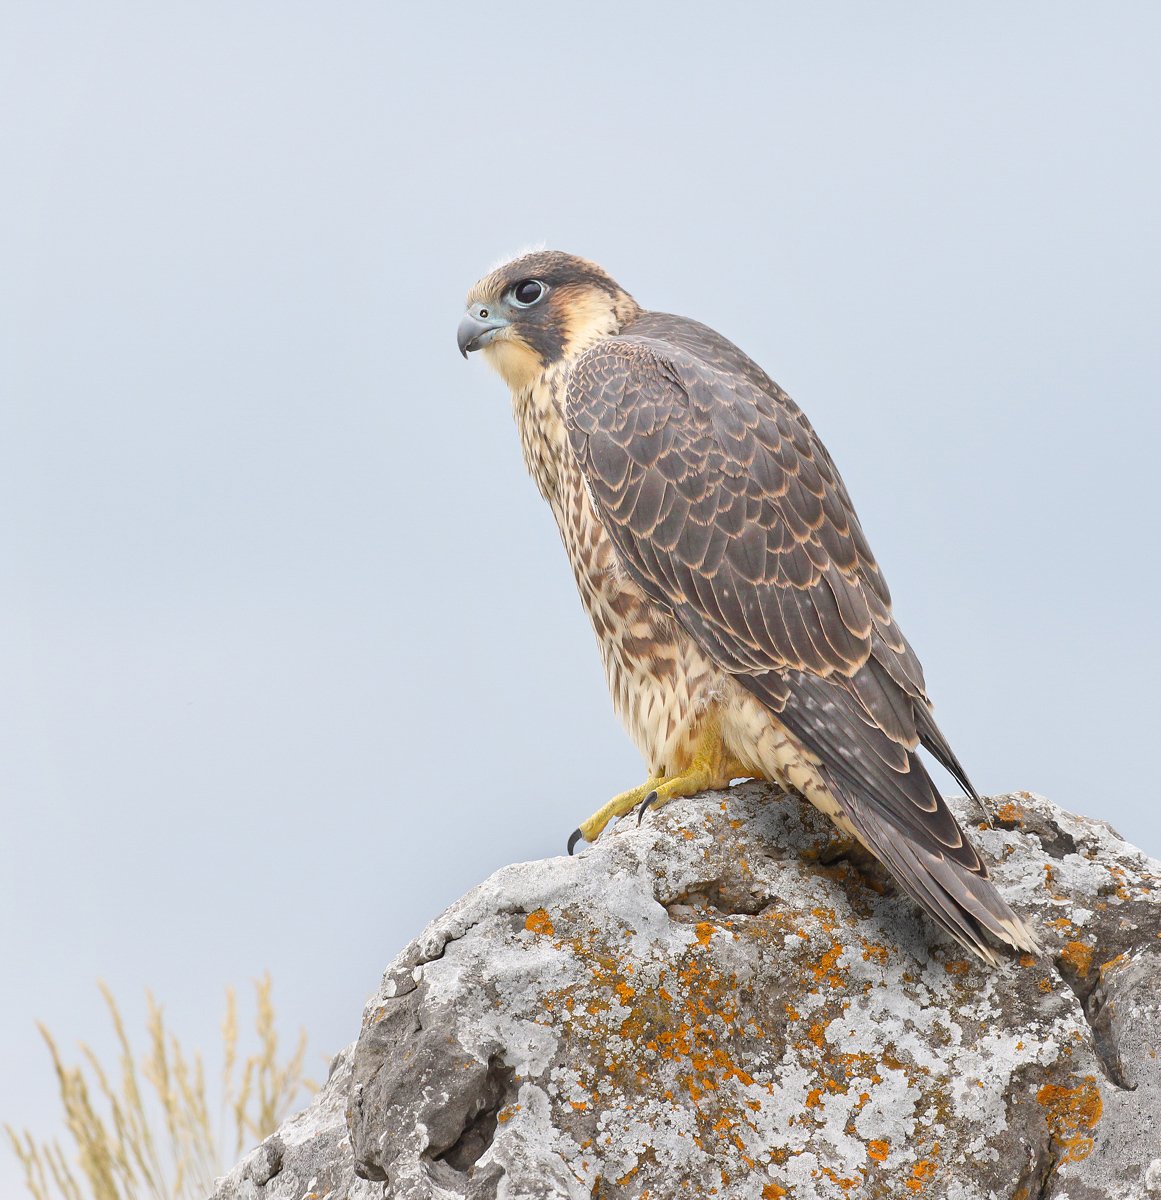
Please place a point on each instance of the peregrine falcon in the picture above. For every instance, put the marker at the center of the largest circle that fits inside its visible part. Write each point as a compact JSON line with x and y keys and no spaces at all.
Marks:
{"x":745,"y":627}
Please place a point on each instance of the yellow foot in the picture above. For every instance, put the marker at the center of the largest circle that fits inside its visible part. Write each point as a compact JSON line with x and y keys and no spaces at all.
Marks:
{"x":710,"y":768}
{"x":591,"y":829}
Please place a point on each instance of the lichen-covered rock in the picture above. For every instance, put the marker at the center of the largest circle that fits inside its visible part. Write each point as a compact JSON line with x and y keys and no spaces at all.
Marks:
{"x":309,"y":1156}
{"x":732,"y":1001}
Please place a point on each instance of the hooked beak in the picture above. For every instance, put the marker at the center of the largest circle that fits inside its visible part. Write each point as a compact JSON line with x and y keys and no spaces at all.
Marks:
{"x":478,"y":327}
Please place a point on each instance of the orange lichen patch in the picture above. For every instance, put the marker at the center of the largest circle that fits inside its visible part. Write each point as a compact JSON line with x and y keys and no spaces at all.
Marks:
{"x":1045,"y":984}
{"x":835,"y":1177}
{"x":1078,"y":956}
{"x":685,"y":1035}
{"x":677,"y":1033}
{"x":879,"y":954}
{"x":1118,"y":875}
{"x":771,"y":1191}
{"x":920,"y":1174}
{"x":625,"y":993}
{"x":1060,"y":923}
{"x":878,"y":1150}
{"x":1028,"y":960}
{"x":720,"y":1062}
{"x":1010,"y":813}
{"x":539,"y":922}
{"x":895,"y":1062}
{"x":1050,"y":877}
{"x":826,"y":970}
{"x":826,"y":918}
{"x":1113,"y":963}
{"x":958,"y":966}
{"x":1071,"y":1115}
{"x":507,"y":1113}
{"x":836,"y":1073}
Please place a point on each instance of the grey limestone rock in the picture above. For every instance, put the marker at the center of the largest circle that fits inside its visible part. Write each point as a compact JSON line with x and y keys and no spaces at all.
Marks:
{"x":732,"y":1001}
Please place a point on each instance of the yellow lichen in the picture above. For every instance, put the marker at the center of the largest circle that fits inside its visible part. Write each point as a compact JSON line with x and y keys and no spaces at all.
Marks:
{"x":1071,"y":1115}
{"x":843,"y":1182}
{"x":1078,"y":956}
{"x":1010,"y":813}
{"x":539,"y":922}
{"x":825,"y":970}
{"x":921,"y":1172}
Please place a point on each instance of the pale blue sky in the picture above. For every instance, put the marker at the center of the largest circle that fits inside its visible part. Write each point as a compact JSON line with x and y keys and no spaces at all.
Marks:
{"x":289,"y":653}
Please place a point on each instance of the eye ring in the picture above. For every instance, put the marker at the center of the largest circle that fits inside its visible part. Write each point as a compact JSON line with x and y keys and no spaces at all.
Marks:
{"x":528,"y":292}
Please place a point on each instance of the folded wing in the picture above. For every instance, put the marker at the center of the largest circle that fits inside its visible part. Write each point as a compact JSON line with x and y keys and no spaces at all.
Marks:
{"x":726,"y":509}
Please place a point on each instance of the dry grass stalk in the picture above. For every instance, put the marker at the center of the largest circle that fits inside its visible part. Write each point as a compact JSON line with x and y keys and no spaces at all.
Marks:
{"x":160,"y":1142}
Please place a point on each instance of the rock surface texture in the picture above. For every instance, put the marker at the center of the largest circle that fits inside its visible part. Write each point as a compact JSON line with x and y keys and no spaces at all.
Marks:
{"x":731,"y":1001}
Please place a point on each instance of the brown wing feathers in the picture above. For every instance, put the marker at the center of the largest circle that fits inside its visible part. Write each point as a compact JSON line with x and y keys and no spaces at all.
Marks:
{"x":726,"y":509}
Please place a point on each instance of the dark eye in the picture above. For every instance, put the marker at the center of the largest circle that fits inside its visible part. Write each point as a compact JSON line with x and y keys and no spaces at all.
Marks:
{"x":527,"y":292}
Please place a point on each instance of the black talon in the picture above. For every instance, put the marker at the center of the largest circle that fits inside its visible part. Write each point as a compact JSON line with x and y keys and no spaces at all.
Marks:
{"x":573,"y":838}
{"x":646,"y":805}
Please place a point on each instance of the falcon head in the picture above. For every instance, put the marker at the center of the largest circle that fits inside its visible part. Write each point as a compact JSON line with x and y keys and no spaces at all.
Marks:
{"x":539,"y":309}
